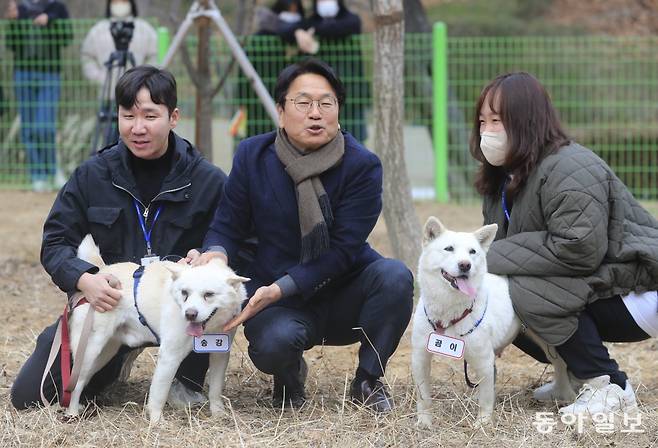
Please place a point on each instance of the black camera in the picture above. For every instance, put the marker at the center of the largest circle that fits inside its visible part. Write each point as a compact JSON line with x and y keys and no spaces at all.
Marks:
{"x":122,"y":33}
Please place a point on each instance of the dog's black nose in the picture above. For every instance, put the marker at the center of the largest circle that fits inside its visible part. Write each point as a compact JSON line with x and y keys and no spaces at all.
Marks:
{"x":191,"y":314}
{"x":464,"y":266}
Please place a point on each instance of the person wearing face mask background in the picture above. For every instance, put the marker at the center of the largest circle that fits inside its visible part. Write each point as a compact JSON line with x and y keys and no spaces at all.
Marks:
{"x":98,"y":44}
{"x":281,"y":19}
{"x":580,"y":252}
{"x":37,"y":32}
{"x":328,"y":34}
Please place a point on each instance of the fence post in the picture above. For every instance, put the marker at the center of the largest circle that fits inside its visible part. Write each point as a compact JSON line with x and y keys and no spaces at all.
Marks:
{"x":164,"y":39}
{"x":440,"y":110}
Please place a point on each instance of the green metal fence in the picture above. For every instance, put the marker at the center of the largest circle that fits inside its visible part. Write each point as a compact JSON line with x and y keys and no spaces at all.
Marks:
{"x":604,"y":87}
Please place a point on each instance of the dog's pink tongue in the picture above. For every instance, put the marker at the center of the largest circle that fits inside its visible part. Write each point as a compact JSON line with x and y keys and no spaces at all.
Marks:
{"x":195,"y":329}
{"x":465,"y":287}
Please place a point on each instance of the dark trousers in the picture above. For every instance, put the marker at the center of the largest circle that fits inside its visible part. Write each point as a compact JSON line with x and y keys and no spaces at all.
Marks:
{"x":586,"y":357}
{"x":374,"y":309}
{"x":25,"y":390}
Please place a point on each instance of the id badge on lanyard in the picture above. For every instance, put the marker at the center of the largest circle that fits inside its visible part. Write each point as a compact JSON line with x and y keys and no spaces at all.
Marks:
{"x":150,"y":257}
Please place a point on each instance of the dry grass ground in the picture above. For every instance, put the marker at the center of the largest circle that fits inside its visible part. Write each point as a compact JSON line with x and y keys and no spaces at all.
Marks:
{"x":31,"y":301}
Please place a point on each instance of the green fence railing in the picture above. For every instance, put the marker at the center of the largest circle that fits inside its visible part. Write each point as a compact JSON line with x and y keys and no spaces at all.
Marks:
{"x":604,"y":88}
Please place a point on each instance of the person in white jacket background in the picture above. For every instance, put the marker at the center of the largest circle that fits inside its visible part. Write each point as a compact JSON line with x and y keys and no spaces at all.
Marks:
{"x":98,"y":44}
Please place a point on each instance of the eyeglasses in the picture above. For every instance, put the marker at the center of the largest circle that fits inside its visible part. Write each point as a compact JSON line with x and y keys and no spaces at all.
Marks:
{"x":304,"y":104}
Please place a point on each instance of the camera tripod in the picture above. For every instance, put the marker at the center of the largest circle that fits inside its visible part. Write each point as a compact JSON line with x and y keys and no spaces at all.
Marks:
{"x":208,"y":9}
{"x":106,"y":119}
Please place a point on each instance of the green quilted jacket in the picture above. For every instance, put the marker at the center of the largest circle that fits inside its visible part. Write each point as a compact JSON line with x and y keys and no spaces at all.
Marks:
{"x":576,"y":235}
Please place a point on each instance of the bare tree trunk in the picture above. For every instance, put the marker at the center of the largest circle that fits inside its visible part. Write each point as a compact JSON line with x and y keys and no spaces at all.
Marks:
{"x":203,"y":116}
{"x":399,"y":213}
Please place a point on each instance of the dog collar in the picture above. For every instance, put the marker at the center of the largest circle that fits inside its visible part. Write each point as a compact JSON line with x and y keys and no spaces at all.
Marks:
{"x":440,"y":328}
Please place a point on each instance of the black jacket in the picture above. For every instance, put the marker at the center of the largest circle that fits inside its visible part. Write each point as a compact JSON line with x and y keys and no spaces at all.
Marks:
{"x":38,"y":48}
{"x":99,"y":199}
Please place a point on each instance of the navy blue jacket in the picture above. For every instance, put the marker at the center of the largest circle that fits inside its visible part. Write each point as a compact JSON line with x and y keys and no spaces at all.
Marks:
{"x":99,"y":199}
{"x":260,"y":198}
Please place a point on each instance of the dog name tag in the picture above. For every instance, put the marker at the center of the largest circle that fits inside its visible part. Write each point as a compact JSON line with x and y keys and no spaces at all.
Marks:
{"x":212,"y":343}
{"x":441,"y":344}
{"x":149,"y":259}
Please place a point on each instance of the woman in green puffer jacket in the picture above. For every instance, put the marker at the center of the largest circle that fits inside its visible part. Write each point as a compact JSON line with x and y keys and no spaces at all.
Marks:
{"x":580,"y":252}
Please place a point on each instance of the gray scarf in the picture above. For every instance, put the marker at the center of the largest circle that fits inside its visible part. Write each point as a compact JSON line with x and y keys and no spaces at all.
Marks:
{"x":304,"y":168}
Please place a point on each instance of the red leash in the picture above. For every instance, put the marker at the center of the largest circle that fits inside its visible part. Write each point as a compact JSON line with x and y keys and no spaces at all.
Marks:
{"x":66,"y":356}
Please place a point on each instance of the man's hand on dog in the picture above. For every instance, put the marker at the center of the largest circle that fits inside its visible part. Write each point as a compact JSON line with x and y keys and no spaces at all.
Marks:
{"x":264,"y":296}
{"x":196,"y":258}
{"x":102,"y":291}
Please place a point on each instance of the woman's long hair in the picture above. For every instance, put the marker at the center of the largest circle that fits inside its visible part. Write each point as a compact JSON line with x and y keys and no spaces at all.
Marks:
{"x":532,"y":126}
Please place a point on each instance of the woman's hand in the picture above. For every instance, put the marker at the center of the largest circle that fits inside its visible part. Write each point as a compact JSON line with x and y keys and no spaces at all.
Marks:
{"x":306,"y":42}
{"x":102,"y":291}
{"x":205,"y":258}
{"x":264,"y":296}
{"x":41,"y":19}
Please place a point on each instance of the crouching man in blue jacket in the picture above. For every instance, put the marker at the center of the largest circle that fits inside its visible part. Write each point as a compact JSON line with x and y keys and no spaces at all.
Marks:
{"x":311,"y":194}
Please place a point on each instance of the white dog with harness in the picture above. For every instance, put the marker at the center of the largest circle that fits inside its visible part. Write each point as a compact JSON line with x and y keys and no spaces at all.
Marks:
{"x":178,"y":307}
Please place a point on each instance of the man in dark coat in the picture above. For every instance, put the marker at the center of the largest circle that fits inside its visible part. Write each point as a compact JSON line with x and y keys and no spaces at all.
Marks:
{"x":150,"y":195}
{"x":311,"y":194}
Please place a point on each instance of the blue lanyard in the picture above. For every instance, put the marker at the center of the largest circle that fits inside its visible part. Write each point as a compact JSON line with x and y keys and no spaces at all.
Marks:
{"x":147,"y":235}
{"x":505,"y":210}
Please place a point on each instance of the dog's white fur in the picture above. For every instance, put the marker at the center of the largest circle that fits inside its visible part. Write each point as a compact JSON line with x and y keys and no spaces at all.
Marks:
{"x":441,"y":301}
{"x":166,"y":292}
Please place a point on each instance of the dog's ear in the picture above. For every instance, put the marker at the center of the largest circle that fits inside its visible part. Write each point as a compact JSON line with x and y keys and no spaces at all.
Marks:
{"x":175,"y":268}
{"x":432,"y":229}
{"x":485,"y":235}
{"x":235,"y":281}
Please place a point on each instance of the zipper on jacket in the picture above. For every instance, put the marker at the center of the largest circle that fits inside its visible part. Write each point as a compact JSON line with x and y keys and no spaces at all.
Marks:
{"x":146,"y":208}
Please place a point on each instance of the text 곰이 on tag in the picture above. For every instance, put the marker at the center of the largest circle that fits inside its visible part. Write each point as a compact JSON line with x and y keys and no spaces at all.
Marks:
{"x":441,"y":344}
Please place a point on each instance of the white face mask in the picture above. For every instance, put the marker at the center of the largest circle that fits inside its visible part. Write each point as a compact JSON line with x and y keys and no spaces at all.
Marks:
{"x":290,"y":17}
{"x":494,"y":147}
{"x":328,"y":9}
{"x":120,"y":9}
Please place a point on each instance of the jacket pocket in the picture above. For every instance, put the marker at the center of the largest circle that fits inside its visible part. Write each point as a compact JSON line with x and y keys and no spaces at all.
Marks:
{"x":106,"y":226}
{"x":185,"y":232}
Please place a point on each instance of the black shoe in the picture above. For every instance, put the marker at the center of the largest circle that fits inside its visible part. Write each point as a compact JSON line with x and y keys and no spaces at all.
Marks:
{"x":290,"y":395}
{"x":372,"y":395}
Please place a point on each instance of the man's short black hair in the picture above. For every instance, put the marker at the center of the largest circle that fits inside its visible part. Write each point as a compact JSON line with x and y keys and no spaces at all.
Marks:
{"x":310,"y":65}
{"x":160,"y":83}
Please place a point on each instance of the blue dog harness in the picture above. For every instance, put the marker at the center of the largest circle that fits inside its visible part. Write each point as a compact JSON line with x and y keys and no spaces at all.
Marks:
{"x":137,"y":276}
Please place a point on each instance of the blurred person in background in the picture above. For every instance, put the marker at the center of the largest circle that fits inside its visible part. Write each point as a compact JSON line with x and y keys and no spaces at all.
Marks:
{"x":269,"y":57}
{"x":328,"y":34}
{"x":99,"y":44}
{"x":38,"y":31}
